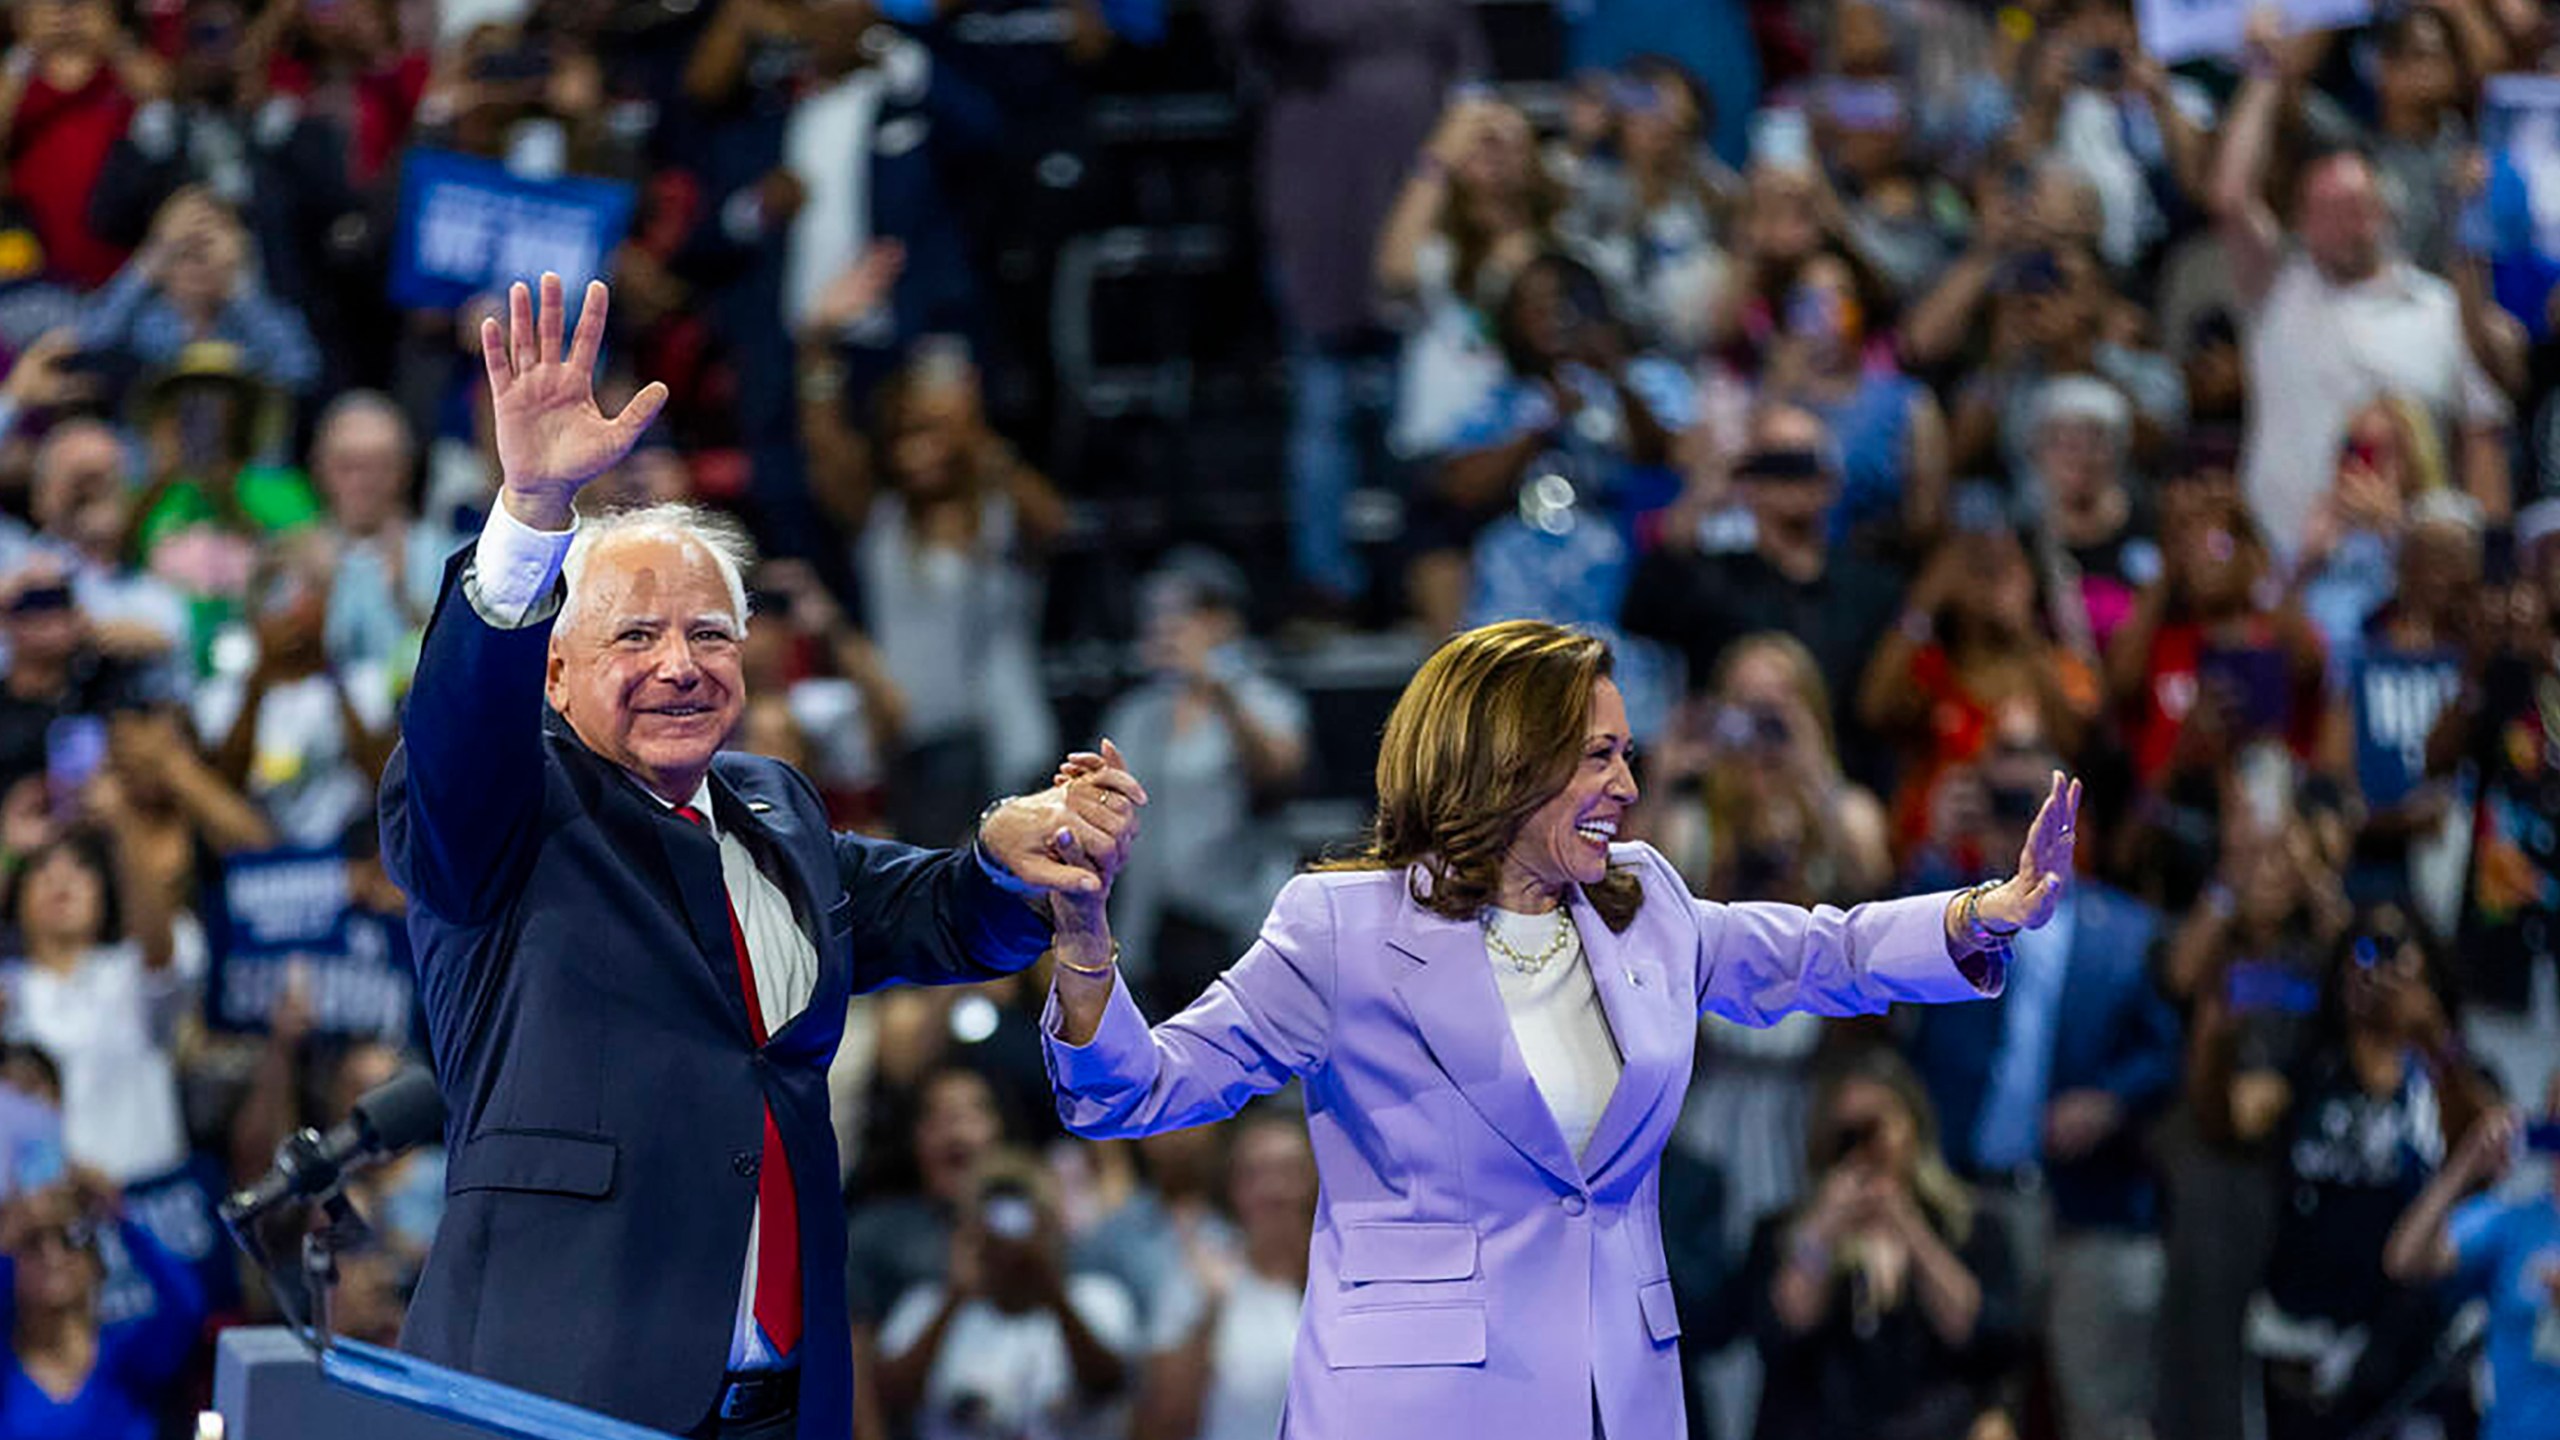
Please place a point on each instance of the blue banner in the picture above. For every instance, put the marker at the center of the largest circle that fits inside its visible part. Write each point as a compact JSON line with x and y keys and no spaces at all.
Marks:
{"x":2519,"y":227}
{"x":178,"y":1210}
{"x":2399,"y":695}
{"x":277,"y":911}
{"x":469,"y":226}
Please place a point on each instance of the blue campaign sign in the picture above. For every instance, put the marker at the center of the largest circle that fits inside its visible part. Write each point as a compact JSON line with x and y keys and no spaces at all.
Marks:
{"x":468,"y":226}
{"x":2517,"y":223}
{"x":2398,"y":697}
{"x":278,"y":911}
{"x":178,"y":1210}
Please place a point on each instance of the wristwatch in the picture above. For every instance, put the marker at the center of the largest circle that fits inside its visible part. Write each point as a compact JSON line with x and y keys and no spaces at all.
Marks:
{"x":1004,"y":878}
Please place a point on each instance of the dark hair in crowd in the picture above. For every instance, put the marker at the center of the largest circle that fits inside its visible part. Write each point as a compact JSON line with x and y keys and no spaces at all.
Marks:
{"x":89,"y":850}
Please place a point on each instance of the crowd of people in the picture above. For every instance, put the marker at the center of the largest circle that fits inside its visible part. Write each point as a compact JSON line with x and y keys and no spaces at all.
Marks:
{"x":1921,"y":396}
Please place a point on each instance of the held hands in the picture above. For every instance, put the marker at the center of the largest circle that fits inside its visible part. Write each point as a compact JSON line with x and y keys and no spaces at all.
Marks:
{"x":552,"y":439}
{"x":1071,"y":838}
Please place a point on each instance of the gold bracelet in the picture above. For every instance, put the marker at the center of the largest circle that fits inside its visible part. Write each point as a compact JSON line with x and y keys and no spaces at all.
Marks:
{"x":1982,"y":936}
{"x":1105,"y":968}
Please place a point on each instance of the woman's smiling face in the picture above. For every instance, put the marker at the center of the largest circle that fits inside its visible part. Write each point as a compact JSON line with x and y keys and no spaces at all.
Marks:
{"x":1566,"y":840}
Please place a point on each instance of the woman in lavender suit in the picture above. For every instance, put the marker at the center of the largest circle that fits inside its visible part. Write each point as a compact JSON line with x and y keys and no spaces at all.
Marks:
{"x":1493,"y":1010}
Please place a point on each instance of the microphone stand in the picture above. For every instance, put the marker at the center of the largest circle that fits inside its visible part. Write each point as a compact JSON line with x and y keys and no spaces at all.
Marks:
{"x":344,"y":1230}
{"x":304,"y":1294}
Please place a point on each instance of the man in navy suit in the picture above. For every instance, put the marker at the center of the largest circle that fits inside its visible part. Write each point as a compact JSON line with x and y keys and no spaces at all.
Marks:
{"x":635,"y":952}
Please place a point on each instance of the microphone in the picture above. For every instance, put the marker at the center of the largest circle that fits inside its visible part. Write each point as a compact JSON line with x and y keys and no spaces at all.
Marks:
{"x":394,"y":1115}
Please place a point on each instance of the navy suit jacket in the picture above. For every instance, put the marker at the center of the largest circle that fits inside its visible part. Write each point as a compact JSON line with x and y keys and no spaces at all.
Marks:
{"x":2113,"y":1031}
{"x":605,"y":1093}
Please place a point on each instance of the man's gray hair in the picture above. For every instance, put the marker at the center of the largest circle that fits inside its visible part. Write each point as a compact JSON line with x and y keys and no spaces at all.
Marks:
{"x":2086,"y":397}
{"x":723,"y":537}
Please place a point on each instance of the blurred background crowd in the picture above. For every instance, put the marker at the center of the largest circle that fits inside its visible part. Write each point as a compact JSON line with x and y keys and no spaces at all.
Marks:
{"x":1921,"y":394}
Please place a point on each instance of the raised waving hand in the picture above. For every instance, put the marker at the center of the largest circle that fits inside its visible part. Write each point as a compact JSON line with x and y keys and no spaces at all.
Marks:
{"x":552,"y":437}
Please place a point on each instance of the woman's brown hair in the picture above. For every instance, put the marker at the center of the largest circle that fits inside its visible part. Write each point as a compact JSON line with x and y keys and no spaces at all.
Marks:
{"x":1488,"y":730}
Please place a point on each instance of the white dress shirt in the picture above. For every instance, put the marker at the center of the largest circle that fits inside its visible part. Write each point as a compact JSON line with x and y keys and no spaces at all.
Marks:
{"x":513,"y":570}
{"x":2316,"y":352}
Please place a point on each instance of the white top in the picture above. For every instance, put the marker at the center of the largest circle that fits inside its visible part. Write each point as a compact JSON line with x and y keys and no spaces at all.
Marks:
{"x":107,"y":1024}
{"x":2317,"y":352}
{"x":1556,"y":1018}
{"x":513,"y":571}
{"x":303,"y":771}
{"x":1249,"y":1358}
{"x":1009,"y":1375}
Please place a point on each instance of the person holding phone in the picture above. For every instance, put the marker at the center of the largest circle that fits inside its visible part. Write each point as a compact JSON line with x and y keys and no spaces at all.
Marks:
{"x":1885,"y":1303}
{"x":949,"y":527}
{"x":2245,"y":966}
{"x":1581,"y":403}
{"x":262,"y":239}
{"x":2505,"y":729}
{"x":2390,"y":461}
{"x":73,"y":79}
{"x":2471,"y":1243}
{"x":195,"y":278}
{"x":1973,"y":649}
{"x":2206,"y":664}
{"x":2360,"y":1122}
{"x":1650,"y":203}
{"x":1493,"y":1009}
{"x":1748,"y":798}
{"x":58,"y":684}
{"x":1009,"y":1341}
{"x":2092,"y":98}
{"x":1477,"y":206}
{"x":303,"y":735}
{"x":67,"y":1370}
{"x":1825,"y":348}
{"x":1226,"y":740}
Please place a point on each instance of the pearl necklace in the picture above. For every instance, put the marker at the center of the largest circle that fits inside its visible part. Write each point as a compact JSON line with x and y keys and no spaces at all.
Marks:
{"x":1520,"y":961}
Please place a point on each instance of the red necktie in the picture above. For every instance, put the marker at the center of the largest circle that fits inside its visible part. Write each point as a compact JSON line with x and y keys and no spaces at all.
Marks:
{"x":778,"y":1243}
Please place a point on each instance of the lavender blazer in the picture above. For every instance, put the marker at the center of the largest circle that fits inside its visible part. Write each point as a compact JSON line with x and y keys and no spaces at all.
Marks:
{"x":1468,"y":1276}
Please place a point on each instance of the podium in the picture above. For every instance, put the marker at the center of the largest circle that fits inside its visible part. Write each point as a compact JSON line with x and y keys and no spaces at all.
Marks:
{"x":268,"y":1386}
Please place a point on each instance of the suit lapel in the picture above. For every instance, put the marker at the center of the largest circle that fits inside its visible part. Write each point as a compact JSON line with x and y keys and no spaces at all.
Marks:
{"x":775,"y":834}
{"x":1629,"y":996}
{"x":693,"y":857}
{"x":1451,"y":995}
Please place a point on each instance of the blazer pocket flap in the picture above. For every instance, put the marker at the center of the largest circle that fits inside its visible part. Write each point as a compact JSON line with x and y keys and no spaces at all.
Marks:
{"x":1407,"y":1335}
{"x":546,"y":1161}
{"x":1661,"y":1311}
{"x":1408,"y":1250}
